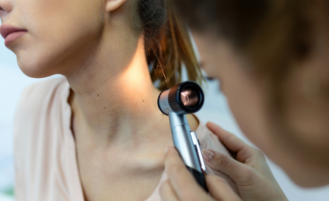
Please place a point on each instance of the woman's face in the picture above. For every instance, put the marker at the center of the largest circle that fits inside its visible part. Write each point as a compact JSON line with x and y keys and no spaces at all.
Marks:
{"x":247,"y":99}
{"x":57,"y":31}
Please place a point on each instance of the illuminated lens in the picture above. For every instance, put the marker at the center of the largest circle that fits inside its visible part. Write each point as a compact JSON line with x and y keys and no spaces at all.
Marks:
{"x":189,"y":98}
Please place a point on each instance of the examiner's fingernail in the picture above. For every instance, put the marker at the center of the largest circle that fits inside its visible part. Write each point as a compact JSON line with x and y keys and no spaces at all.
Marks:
{"x":208,"y":154}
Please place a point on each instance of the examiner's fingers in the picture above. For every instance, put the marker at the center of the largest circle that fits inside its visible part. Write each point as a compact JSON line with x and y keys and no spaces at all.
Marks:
{"x":225,"y":164}
{"x":220,"y":190}
{"x":232,"y":142}
{"x":181,"y":180}
{"x":167,"y":193}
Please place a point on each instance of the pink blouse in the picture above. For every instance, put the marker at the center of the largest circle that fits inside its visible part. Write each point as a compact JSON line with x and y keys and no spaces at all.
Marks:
{"x":45,"y":155}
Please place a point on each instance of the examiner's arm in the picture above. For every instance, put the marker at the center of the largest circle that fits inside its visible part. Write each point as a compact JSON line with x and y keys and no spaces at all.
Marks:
{"x":249,"y":171}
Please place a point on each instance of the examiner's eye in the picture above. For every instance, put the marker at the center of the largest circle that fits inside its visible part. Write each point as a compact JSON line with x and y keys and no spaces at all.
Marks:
{"x":210,"y":78}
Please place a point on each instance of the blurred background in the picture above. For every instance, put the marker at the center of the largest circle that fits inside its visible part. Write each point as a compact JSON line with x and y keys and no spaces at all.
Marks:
{"x":13,"y":81}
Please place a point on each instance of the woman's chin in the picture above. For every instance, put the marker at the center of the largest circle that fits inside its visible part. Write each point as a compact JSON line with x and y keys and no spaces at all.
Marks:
{"x":35,"y":69}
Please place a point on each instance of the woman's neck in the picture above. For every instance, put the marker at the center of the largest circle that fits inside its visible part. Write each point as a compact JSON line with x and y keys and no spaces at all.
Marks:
{"x":114,"y":98}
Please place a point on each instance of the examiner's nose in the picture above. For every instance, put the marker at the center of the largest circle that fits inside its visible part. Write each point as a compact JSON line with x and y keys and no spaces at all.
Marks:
{"x":6,"y":7}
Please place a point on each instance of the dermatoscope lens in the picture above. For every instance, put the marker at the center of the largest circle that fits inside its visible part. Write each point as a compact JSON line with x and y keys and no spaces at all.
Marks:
{"x":189,"y":97}
{"x":183,"y":98}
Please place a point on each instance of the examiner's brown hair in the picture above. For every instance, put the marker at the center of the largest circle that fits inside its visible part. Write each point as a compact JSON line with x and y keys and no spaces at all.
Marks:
{"x":167,"y":43}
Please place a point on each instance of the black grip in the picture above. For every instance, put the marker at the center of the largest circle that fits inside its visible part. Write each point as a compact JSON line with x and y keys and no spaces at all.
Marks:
{"x":200,"y":178}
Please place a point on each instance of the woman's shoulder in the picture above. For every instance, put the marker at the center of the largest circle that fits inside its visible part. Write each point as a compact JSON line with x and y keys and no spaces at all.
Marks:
{"x":38,"y":95}
{"x":42,"y":89}
{"x":44,"y":145}
{"x":41,"y":104}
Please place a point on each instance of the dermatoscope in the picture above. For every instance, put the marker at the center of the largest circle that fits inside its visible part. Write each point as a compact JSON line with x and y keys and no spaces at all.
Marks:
{"x":182,"y":99}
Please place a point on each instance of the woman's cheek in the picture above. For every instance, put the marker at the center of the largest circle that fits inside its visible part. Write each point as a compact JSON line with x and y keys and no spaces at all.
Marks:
{"x":53,"y":34}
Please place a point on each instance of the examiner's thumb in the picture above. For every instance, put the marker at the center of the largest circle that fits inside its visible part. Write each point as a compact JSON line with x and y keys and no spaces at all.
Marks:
{"x":223,"y":163}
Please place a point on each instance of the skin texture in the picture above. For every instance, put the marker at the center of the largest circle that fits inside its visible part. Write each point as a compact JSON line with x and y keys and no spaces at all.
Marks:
{"x":115,"y":118}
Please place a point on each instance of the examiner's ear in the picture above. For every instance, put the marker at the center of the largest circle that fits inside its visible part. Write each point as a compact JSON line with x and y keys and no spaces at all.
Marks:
{"x":112,"y":5}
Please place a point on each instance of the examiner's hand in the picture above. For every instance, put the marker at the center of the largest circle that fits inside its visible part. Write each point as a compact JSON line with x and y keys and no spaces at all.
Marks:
{"x":181,"y":186}
{"x":250,"y":172}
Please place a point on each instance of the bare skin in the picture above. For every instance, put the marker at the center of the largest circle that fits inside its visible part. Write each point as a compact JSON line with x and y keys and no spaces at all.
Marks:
{"x":120,"y":135}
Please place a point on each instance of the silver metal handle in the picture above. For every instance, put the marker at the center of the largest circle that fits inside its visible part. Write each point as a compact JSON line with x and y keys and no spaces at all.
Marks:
{"x":181,"y":134}
{"x":198,"y":148}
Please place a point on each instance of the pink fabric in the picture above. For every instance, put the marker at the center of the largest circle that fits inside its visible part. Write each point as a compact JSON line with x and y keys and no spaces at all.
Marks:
{"x":45,"y":156}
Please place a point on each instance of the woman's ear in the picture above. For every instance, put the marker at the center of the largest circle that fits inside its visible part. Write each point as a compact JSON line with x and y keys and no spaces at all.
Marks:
{"x":111,"y":5}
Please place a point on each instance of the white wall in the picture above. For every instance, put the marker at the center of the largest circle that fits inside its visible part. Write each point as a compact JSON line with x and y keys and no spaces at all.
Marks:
{"x":12,"y":82}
